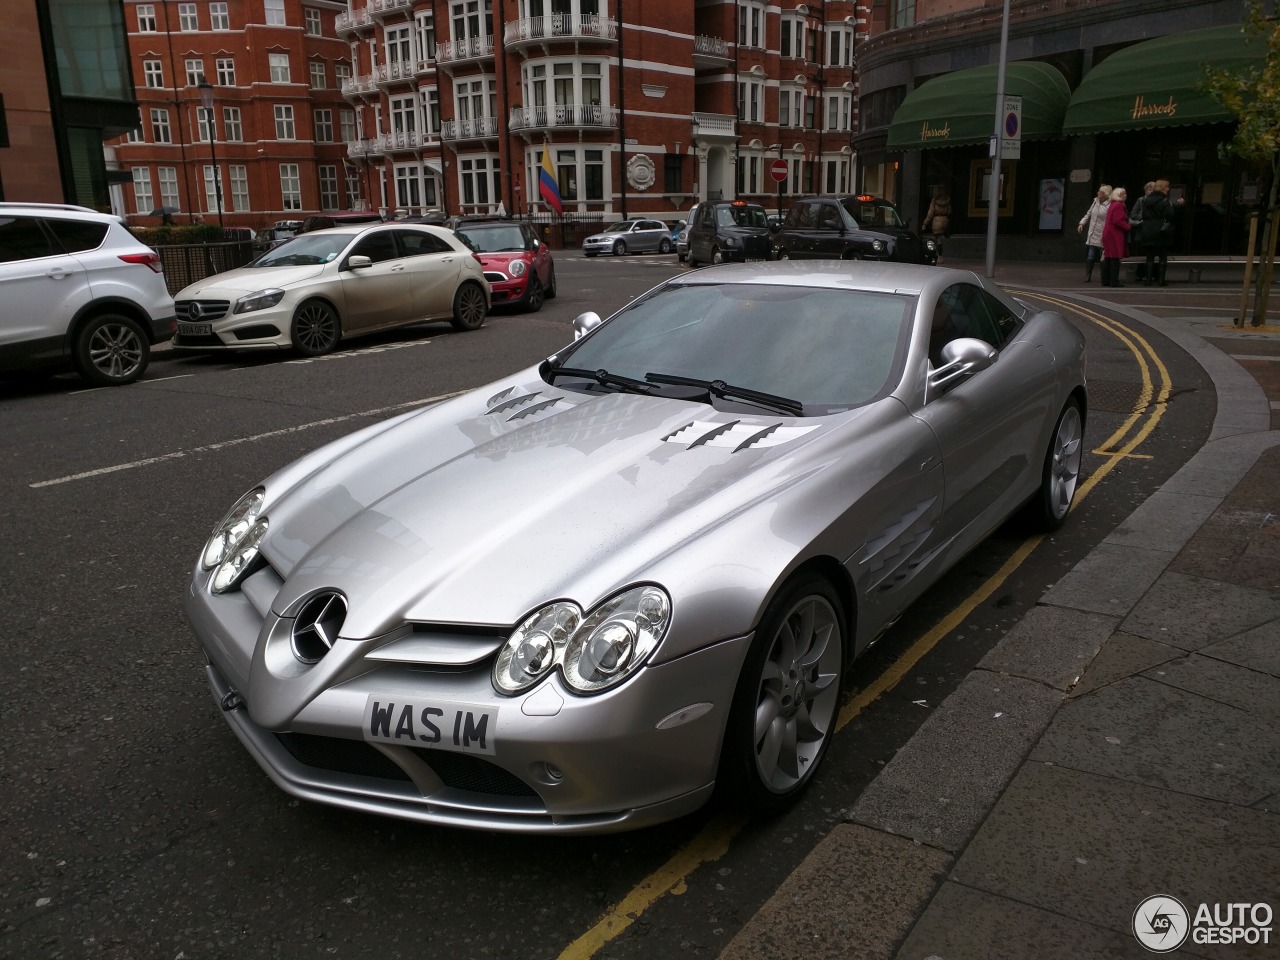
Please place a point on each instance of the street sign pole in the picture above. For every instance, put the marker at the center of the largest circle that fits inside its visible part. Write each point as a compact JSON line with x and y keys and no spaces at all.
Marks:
{"x":993,"y":190}
{"x":778,"y":170}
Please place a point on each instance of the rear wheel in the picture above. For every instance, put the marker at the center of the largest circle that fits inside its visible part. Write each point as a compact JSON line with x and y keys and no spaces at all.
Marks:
{"x":112,"y":350}
{"x":469,"y":308}
{"x":534,"y":295}
{"x":1048,"y":509}
{"x":664,"y":246}
{"x":316,"y":329}
{"x":784,"y":709}
{"x":551,"y":285}
{"x":784,"y":255}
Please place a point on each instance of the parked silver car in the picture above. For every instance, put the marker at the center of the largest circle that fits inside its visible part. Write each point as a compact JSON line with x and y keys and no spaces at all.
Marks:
{"x":630,"y":236}
{"x":581,"y":598}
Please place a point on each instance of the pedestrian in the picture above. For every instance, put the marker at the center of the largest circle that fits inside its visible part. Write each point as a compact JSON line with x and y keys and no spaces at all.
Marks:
{"x":937,"y":219}
{"x":1135,"y":212}
{"x":1115,"y":238}
{"x":1091,"y":225}
{"x":1156,"y":232}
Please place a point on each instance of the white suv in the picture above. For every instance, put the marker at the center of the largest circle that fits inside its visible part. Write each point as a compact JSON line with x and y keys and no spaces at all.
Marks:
{"x":78,"y":290}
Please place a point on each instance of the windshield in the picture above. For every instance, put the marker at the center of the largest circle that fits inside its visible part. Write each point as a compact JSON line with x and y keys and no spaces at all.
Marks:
{"x":494,"y":239}
{"x":308,"y":249}
{"x":869,"y":214}
{"x":623,"y":227}
{"x":741,"y":217}
{"x":829,"y":349}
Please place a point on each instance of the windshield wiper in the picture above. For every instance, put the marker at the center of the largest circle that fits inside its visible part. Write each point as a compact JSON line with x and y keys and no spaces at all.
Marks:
{"x":718,"y":388}
{"x":602,"y":377}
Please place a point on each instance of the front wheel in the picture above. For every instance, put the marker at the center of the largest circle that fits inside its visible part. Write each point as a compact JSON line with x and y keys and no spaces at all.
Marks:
{"x":619,"y":248}
{"x":112,"y":350}
{"x":469,"y":308}
{"x":1048,"y":509}
{"x":664,"y":246}
{"x":784,"y":709}
{"x":551,"y":285}
{"x":316,"y":329}
{"x":784,"y":255}
{"x":534,"y":295}
{"x":716,"y":255}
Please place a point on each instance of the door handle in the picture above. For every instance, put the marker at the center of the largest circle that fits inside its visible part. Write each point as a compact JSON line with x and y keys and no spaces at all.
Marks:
{"x":57,"y":274}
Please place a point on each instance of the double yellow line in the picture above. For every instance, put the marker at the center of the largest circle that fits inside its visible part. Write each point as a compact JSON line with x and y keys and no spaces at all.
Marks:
{"x":713,"y":841}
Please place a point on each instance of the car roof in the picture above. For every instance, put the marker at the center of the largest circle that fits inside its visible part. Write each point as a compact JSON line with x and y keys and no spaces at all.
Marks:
{"x":909,"y":279}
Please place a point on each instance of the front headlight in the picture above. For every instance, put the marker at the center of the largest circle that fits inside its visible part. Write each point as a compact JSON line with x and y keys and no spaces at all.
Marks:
{"x":877,"y":246}
{"x":232,"y":528}
{"x":238,"y":562}
{"x":594,"y":653}
{"x":259,"y":300}
{"x":730,"y":241}
{"x":518,"y":267}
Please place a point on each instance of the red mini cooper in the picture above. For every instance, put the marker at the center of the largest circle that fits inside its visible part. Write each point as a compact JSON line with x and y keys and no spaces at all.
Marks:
{"x":516,"y":263}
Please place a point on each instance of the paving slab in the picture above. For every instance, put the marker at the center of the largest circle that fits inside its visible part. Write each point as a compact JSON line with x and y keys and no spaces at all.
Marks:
{"x":940,"y":785}
{"x":1254,"y":692}
{"x":966,"y":924}
{"x":853,"y":898}
{"x":1122,"y":656}
{"x":1092,"y":848}
{"x":1151,"y":733}
{"x":1257,"y":649}
{"x":1193,"y":612}
{"x":1110,"y":580}
{"x":1051,"y":645}
{"x":1165,"y":521}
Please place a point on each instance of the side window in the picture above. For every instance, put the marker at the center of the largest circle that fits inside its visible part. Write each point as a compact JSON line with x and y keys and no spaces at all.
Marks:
{"x":417,"y":243}
{"x":829,"y":218}
{"x":950,"y":321}
{"x":705,"y":218}
{"x":22,"y":239}
{"x":377,"y":247}
{"x":77,"y":236}
{"x":978,"y":321}
{"x":1005,"y":320}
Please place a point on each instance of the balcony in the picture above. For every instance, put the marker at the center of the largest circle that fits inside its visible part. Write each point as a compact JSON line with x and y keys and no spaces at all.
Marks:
{"x":361,"y":19}
{"x":715,"y":126}
{"x":710,"y":53}
{"x":559,"y":27}
{"x":361,"y":86}
{"x":483,"y":128}
{"x":460,"y":51}
{"x":400,"y":141}
{"x":564,"y":116}
{"x":363,"y":149}
{"x":397,"y":71}
{"x":381,"y":8}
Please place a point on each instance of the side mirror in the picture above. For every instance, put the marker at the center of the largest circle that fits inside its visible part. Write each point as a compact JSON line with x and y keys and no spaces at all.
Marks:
{"x":358,"y":262}
{"x":584,"y":323}
{"x":962,"y":357}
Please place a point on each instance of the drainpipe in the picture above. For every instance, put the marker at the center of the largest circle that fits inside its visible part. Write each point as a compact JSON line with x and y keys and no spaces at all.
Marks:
{"x":737,"y":92}
{"x":622,"y":115}
{"x":504,"y":107}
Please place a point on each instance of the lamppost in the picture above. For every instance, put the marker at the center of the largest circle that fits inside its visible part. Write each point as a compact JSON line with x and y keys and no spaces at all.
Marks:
{"x":780,"y":157}
{"x":206,"y":100}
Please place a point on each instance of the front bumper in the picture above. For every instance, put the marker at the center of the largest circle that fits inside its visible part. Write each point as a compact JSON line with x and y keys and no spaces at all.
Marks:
{"x":259,"y":330}
{"x":560,"y":763}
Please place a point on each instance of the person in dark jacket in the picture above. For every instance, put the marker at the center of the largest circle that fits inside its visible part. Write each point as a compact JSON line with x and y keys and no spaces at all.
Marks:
{"x":1155,"y":232}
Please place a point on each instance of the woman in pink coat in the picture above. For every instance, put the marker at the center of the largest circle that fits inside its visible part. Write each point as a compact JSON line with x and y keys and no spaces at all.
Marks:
{"x":1115,"y":238}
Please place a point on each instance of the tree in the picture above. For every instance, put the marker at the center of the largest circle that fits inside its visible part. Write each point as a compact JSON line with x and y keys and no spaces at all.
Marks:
{"x":1253,"y":96}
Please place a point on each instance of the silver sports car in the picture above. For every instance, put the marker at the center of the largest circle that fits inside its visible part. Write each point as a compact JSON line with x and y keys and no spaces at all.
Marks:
{"x":582,"y":598}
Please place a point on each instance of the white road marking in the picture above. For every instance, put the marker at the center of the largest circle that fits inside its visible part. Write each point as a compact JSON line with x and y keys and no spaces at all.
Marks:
{"x":135,"y":464}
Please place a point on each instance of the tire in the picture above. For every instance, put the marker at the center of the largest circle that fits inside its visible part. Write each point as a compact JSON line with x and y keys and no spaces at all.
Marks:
{"x":664,"y":246}
{"x":716,"y":255}
{"x":784,"y":255}
{"x":534,"y":295}
{"x":551,"y":284}
{"x":316,"y":329}
{"x":469,"y":308}
{"x":785,"y":708}
{"x":1060,"y":477}
{"x":111,"y":350}
{"x":683,"y":257}
{"x":619,"y":248}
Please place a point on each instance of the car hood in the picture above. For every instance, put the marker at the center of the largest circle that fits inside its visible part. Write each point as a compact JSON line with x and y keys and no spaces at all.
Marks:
{"x":502,"y":259}
{"x":607,"y":236}
{"x":485,"y":507}
{"x":247,"y":280}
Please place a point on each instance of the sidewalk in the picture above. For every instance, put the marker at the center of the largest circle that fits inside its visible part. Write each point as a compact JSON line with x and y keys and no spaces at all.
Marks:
{"x":1121,"y":742}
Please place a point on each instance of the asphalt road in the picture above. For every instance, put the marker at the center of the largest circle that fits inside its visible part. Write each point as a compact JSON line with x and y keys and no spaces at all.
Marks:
{"x":132,"y":823}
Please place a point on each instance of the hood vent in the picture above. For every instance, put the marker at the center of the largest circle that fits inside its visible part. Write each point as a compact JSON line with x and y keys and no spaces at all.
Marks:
{"x":736,"y":435}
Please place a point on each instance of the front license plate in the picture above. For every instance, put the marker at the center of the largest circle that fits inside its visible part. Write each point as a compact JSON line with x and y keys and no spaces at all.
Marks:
{"x":195,"y":329}
{"x":464,"y":727}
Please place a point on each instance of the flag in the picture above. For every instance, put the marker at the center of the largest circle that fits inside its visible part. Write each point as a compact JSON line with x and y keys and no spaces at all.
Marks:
{"x":547,"y":186}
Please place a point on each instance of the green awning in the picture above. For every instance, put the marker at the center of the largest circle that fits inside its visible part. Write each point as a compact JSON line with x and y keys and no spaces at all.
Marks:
{"x":1155,"y":83}
{"x":958,"y":108}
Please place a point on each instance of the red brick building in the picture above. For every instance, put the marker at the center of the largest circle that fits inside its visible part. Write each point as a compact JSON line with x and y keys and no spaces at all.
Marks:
{"x":645,"y":106}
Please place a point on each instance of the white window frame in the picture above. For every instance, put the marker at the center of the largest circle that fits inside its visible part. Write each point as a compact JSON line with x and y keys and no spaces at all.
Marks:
{"x":751,"y":100}
{"x":290,"y":187}
{"x":403,"y":111}
{"x":278,"y":64}
{"x":574,"y":166}
{"x":327,"y":178}
{"x":188,"y":18}
{"x":143,"y":198}
{"x":312,"y":22}
{"x":322,"y":122}
{"x":273,"y":13}
{"x":207,"y":173}
{"x":286,"y":127}
{"x":225,"y":68}
{"x":407,"y":178}
{"x":798,"y":29}
{"x":161,"y":125}
{"x":347,"y":126}
{"x":479,"y":181}
{"x":318,"y":74}
{"x":146,"y":13}
{"x":167,"y":180}
{"x":839,"y":112}
{"x":219,"y":16}
{"x":153,"y":74}
{"x":194,"y":68}
{"x":232,"y":125}
{"x":751,"y":24}
{"x":840,"y":46}
{"x":238,"y":179}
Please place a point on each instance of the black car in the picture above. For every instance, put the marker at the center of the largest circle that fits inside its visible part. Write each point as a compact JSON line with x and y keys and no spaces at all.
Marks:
{"x":849,"y":228}
{"x":726,"y":230}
